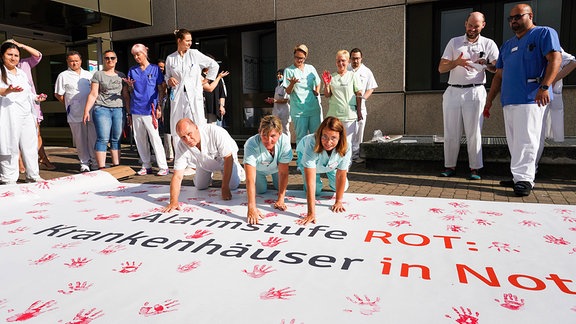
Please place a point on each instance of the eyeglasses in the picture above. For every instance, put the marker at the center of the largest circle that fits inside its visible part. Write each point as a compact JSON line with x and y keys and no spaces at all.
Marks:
{"x":516,"y":17}
{"x":109,"y":58}
{"x":300,"y":57}
{"x":330,"y":139}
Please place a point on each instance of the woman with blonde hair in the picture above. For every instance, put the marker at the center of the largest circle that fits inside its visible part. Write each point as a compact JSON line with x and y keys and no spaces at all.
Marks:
{"x":326,"y":151}
{"x":267,"y":153}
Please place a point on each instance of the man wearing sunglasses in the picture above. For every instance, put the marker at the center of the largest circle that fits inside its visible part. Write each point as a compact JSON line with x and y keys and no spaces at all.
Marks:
{"x":526,"y":68}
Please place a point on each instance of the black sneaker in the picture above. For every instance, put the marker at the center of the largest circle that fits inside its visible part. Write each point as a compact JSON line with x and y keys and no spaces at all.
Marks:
{"x":507,"y":183}
{"x":522,"y":188}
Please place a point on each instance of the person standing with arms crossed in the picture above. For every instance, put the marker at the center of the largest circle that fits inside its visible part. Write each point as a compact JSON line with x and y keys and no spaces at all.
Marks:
{"x":526,"y":68}
{"x":72,"y":89}
{"x":368,"y":86}
{"x":466,"y":57}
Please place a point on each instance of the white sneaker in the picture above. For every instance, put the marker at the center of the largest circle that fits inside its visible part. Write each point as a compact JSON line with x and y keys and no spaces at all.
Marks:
{"x":32,"y":180}
{"x":84,"y":168}
{"x":163,"y":172}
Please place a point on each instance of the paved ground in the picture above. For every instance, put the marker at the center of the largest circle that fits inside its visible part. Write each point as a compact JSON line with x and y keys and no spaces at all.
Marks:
{"x":362,"y":180}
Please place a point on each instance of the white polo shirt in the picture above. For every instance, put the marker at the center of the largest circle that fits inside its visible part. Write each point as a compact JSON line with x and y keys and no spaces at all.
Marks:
{"x":483,"y":48}
{"x":75,"y":89}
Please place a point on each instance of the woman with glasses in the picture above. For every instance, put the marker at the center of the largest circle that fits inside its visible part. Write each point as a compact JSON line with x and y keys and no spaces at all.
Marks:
{"x":108,"y":94}
{"x":302,"y":83}
{"x":326,"y":151}
{"x":343,"y":88}
{"x":17,"y":118}
{"x":267,"y":153}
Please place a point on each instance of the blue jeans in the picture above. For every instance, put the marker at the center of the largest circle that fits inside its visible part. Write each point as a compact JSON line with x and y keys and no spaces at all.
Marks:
{"x":108,"y":124}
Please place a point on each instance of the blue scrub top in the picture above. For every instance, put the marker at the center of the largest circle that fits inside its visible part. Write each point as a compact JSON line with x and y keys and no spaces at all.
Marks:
{"x":322,"y":162}
{"x":145,"y":88}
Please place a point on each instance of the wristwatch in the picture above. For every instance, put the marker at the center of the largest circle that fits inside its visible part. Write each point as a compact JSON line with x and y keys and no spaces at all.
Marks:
{"x":544,"y":87}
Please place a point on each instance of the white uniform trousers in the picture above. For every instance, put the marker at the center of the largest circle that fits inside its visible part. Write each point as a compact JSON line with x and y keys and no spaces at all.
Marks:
{"x":523,"y":125}
{"x":462,"y":110}
{"x":202,"y":177}
{"x":27,"y":135}
{"x":358,"y":136}
{"x":555,"y":119}
{"x":350,"y":127}
{"x":84,"y":136}
{"x":144,"y":129}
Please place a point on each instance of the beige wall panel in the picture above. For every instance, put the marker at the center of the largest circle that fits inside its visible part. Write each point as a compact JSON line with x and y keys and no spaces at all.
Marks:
{"x":424,"y":116}
{"x":301,"y":8}
{"x":163,"y":22}
{"x":200,"y":15}
{"x":137,"y":10}
{"x":569,"y":97}
{"x":382,"y":32}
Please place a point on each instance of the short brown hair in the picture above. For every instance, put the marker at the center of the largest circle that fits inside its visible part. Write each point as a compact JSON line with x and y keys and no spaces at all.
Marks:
{"x":269,"y":123}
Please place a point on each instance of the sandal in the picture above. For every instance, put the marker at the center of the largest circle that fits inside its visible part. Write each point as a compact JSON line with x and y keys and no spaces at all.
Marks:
{"x":46,"y":165}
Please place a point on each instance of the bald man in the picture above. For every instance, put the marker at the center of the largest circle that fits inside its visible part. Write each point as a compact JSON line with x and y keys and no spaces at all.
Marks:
{"x":207,"y":148}
{"x":466,"y":58}
{"x":526,"y":68}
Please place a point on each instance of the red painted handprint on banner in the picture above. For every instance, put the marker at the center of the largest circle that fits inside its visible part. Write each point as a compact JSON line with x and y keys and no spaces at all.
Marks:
{"x":484,"y":222}
{"x":555,"y":240}
{"x":45,"y":258}
{"x":399,"y":223}
{"x":354,"y":217}
{"x":129,"y":267}
{"x":272,"y":293}
{"x":34,"y":310}
{"x":79,"y":286}
{"x":198,"y":234}
{"x":366,"y":306}
{"x":112,"y":249}
{"x":503,"y":247}
{"x":77,"y":263}
{"x":465,"y":316}
{"x":157,"y":309}
{"x":13,"y":243}
{"x":188,"y":267}
{"x":259,"y":271}
{"x":511,"y":302}
{"x":272,"y":241}
{"x":85,"y":317}
{"x":529,"y":223}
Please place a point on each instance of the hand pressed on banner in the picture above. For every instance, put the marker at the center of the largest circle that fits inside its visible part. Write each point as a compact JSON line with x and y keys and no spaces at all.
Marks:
{"x":259,"y":271}
{"x":326,"y":77}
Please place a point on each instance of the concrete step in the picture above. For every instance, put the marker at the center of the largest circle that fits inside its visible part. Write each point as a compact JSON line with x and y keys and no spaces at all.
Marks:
{"x":426,"y":154}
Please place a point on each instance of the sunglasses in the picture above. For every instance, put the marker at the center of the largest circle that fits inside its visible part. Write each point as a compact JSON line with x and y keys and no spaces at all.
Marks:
{"x":110,"y":58}
{"x":516,"y":17}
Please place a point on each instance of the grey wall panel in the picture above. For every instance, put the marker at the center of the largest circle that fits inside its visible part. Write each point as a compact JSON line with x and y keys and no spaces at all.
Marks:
{"x":200,"y":15}
{"x":288,"y":9}
{"x":380,"y":36}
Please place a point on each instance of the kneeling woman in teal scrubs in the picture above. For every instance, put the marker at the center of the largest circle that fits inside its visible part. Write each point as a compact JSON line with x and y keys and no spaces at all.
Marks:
{"x":325,"y":151}
{"x":267,"y":153}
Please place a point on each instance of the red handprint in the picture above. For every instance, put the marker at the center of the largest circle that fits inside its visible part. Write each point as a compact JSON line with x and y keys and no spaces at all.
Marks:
{"x":6,"y":194}
{"x":112,"y":249}
{"x":158,"y":309}
{"x":189,"y":209}
{"x":398,"y":214}
{"x":465,"y":316}
{"x":10,"y":222}
{"x":492,"y":213}
{"x":484,"y":222}
{"x":188,"y":267}
{"x":436,"y":210}
{"x":451,"y":218}
{"x":366,"y":305}
{"x":511,"y":302}
{"x":43,"y":185}
{"x":394,"y":203}
{"x":365,"y":198}
{"x":292,"y":321}
{"x":354,"y":216}
{"x":223,"y":211}
{"x":65,"y":245}
{"x":500,"y":246}
{"x":456,"y":228}
{"x":259,"y":271}
{"x":79,"y":286}
{"x":271,"y":214}
{"x":37,"y":308}
{"x":86,"y":317}
{"x":458,"y":205}
{"x":78,"y":263}
{"x":569,"y":219}
{"x":272,"y":293}
{"x":399,"y":223}
{"x":198,"y":234}
{"x":45,"y":258}
{"x":529,"y":223}
{"x":556,"y":240}
{"x":128,"y":267}
{"x":106,"y":217}
{"x":326,"y":77}
{"x":462,"y":211}
{"x":272,"y":241}
{"x":18,"y":230}
{"x":13,"y":243}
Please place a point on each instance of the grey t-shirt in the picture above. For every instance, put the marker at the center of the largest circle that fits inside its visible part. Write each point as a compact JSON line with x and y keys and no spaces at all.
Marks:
{"x":109,"y":89}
